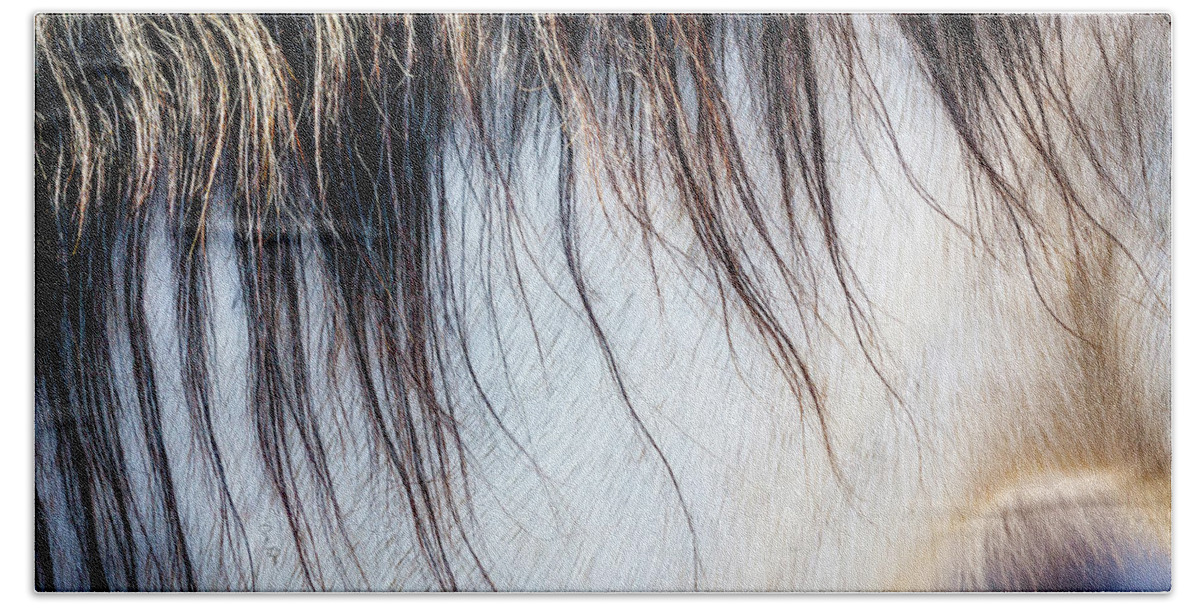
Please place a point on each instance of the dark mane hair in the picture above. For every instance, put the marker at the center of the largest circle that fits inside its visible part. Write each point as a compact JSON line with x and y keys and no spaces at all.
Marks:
{"x":320,"y":145}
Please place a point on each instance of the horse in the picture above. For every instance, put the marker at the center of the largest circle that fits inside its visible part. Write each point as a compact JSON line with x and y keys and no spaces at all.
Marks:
{"x":602,"y":302}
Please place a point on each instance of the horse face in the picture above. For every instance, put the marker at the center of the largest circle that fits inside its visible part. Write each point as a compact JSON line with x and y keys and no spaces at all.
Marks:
{"x":603,"y":303}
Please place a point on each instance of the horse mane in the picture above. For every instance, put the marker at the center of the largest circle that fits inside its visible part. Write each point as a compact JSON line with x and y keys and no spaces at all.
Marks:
{"x":322,"y":144}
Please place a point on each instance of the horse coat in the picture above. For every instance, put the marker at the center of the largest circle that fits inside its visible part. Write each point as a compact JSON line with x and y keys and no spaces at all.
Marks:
{"x":638,"y":302}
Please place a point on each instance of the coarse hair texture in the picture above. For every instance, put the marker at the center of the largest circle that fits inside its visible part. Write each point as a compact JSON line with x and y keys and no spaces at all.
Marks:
{"x":322,"y":142}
